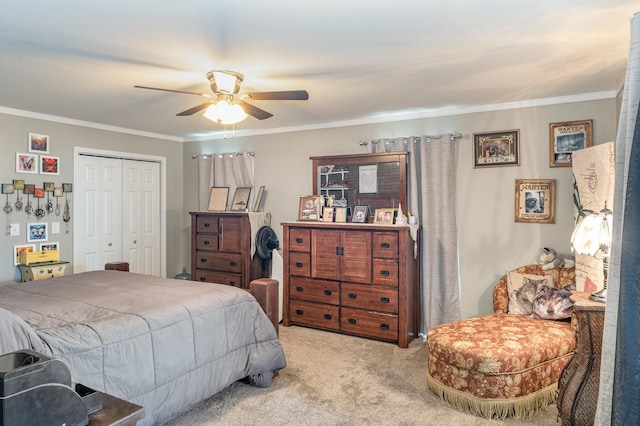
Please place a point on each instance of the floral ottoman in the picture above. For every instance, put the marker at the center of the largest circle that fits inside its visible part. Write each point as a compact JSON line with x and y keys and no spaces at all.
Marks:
{"x":500,"y":365}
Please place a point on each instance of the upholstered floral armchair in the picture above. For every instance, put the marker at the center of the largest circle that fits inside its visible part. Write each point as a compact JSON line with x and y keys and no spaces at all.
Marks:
{"x":502,"y":364}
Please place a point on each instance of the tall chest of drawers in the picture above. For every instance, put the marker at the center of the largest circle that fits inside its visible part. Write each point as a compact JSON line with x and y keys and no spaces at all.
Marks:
{"x":221,"y":248}
{"x":357,"y":279}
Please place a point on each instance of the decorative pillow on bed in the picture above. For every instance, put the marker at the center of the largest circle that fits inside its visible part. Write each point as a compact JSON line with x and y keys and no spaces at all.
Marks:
{"x":552,"y":303}
{"x":522,"y":290}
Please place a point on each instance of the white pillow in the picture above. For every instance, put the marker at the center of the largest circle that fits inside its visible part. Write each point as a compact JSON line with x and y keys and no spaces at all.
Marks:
{"x":522,"y":289}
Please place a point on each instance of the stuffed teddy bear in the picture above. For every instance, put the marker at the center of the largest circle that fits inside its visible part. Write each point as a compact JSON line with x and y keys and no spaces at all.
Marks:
{"x":549,"y":259}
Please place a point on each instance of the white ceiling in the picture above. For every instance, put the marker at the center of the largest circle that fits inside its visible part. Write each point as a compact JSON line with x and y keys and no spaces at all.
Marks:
{"x":361,"y":61}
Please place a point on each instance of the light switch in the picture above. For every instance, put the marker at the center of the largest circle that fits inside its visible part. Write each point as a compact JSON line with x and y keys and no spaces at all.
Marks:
{"x":15,"y":229}
{"x":55,"y":227}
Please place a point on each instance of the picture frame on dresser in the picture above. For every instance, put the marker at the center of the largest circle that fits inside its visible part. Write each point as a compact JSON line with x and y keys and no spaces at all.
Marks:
{"x":18,"y":250}
{"x":241,"y":199}
{"x":218,"y":198}
{"x":360,"y":214}
{"x":309,"y":209}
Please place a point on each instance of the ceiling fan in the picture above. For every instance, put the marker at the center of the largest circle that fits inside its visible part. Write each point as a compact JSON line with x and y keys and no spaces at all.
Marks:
{"x":228,"y":106}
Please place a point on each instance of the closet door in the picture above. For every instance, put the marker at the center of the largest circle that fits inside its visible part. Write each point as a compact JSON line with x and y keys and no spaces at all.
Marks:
{"x":97,"y":237}
{"x":141,"y":216}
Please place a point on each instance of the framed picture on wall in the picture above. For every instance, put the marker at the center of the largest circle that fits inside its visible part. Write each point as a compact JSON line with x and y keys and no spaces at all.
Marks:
{"x":38,"y":143}
{"x":496,"y":149}
{"x":37,"y":232}
{"x":567,"y":137}
{"x":18,"y":250}
{"x":49,"y":165}
{"x":535,"y":200}
{"x":26,"y":163}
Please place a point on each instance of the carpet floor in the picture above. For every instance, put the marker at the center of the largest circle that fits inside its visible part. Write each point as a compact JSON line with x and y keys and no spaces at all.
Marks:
{"x":334,"y":379}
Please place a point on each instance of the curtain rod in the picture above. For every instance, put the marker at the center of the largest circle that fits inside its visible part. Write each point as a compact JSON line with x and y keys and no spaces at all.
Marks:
{"x":237,"y":154}
{"x":406,"y":139}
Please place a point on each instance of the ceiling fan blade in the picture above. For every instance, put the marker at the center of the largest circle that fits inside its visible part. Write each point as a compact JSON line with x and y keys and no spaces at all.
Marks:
{"x":174,"y":91}
{"x":256,"y":112}
{"x":193,"y":110}
{"x":285,"y":95}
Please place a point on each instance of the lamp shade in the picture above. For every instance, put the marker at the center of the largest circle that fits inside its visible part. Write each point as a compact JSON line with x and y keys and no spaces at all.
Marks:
{"x":225,"y":112}
{"x":592,"y":235}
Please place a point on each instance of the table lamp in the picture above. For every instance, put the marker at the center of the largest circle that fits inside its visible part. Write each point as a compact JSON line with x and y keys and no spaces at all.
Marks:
{"x":592,"y":236}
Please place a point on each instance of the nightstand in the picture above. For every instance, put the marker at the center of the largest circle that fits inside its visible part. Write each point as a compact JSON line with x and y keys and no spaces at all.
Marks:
{"x":42,"y":270}
{"x":580,"y":380}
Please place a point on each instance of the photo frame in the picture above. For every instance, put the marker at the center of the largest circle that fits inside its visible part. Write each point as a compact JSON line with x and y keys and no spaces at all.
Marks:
{"x":18,"y":184}
{"x":340,"y":214}
{"x":7,"y":188}
{"x":360,"y":214}
{"x":496,"y":149}
{"x":567,"y":137}
{"x":67,"y":187}
{"x":241,"y":199}
{"x":18,"y":250}
{"x":327,"y":214}
{"x":535,"y":200}
{"x":26,"y":163}
{"x":38,"y":143}
{"x":37,"y":232}
{"x":218,"y":198}
{"x":309,"y":209}
{"x":384,"y":216}
{"x":257,"y":202}
{"x":49,"y":246}
{"x":49,"y":165}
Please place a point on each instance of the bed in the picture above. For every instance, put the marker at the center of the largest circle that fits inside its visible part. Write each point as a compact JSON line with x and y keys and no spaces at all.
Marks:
{"x":161,"y":343}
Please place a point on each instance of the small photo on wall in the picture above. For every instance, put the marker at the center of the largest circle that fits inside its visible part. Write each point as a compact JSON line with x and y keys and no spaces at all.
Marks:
{"x":26,"y":163}
{"x":49,"y":246}
{"x":49,"y":165}
{"x":37,"y":232}
{"x":38,"y":143}
{"x":18,"y":250}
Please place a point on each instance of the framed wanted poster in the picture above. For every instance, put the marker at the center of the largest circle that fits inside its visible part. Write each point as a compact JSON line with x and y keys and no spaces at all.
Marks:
{"x":535,"y":200}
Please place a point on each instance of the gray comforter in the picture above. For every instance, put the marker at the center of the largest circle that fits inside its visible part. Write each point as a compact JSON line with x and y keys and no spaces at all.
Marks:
{"x":161,"y":343}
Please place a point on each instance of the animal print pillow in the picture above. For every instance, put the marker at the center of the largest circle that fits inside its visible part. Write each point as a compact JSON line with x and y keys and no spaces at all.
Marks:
{"x":522,"y":290}
{"x":552,"y":303}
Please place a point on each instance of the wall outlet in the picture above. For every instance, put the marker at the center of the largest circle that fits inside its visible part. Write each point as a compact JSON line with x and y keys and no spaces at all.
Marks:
{"x":55,"y":227}
{"x":15,"y":229}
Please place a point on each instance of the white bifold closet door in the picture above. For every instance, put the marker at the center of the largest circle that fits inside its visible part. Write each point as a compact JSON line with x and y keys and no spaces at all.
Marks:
{"x":117,"y":209}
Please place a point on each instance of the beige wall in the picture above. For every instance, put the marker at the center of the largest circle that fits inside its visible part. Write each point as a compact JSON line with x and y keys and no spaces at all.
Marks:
{"x":63,"y":138}
{"x":490,"y":242}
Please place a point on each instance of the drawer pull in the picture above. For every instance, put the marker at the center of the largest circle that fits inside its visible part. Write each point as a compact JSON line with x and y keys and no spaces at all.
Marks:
{"x":206,"y":242}
{"x":207,"y":225}
{"x":203,"y":260}
{"x":352,"y":321}
{"x":202,"y":279}
{"x":299,"y":265}
{"x":233,"y":263}
{"x":385,"y":245}
{"x":384,"y":326}
{"x":352,"y":296}
{"x":384,"y":299}
{"x":232,"y":283}
{"x":327,"y":292}
{"x":299,"y":288}
{"x":299,"y":312}
{"x":299,"y":240}
{"x":327,"y":316}
{"x":385,"y":273}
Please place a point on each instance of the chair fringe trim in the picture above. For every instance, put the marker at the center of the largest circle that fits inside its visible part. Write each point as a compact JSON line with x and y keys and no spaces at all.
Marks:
{"x":495,"y":408}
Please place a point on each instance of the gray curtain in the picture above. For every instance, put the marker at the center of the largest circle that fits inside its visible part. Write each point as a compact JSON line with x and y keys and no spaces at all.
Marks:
{"x":232,"y":170}
{"x":617,"y":338}
{"x":432,"y":196}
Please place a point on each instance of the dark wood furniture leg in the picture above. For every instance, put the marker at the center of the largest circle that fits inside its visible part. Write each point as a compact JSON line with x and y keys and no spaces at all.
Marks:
{"x":265,"y":290}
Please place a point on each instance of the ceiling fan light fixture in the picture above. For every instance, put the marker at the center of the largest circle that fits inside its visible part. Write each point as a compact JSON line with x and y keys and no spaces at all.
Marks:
{"x":225,"y":81}
{"x":225,"y":113}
